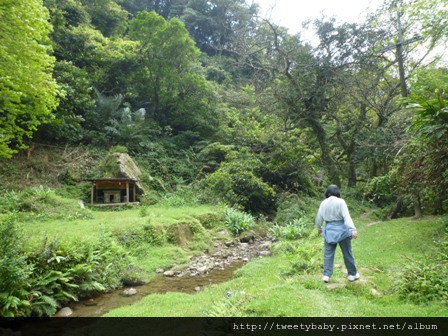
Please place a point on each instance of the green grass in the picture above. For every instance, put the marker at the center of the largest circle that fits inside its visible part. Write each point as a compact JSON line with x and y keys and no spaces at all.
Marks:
{"x":261,"y":288}
{"x":269,"y":286}
{"x":110,"y":220}
{"x":145,"y":256}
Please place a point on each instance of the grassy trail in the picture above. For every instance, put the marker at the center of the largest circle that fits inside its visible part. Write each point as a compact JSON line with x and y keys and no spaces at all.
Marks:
{"x":262,"y":288}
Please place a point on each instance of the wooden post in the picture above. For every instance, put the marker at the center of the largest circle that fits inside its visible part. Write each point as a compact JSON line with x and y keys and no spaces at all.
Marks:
{"x":92,"y":193}
{"x":133,"y":192}
{"x":127,"y":192}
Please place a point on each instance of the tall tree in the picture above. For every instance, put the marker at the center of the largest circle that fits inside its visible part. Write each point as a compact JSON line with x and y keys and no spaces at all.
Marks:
{"x":303,"y":89}
{"x":171,"y":81}
{"x":27,"y":89}
{"x":422,"y":164}
{"x":107,"y":15}
{"x":217,"y":25}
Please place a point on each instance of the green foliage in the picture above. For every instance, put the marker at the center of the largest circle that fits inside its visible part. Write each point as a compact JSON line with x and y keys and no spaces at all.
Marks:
{"x":211,"y":220}
{"x":380,"y":191}
{"x":142,"y":234}
{"x":171,"y":81}
{"x":302,"y":257}
{"x":14,"y":270}
{"x":424,"y":282}
{"x":238,"y":184}
{"x":423,"y":156}
{"x":67,"y":270}
{"x":36,"y":279}
{"x":231,"y":303}
{"x":118,"y":149}
{"x":290,"y":208}
{"x":143,"y":211}
{"x":41,"y":203}
{"x":107,"y":16}
{"x":432,"y":15}
{"x":238,"y":221}
{"x":432,"y":115}
{"x":427,"y":280}
{"x":217,"y":26}
{"x":212,"y":155}
{"x":182,"y":196}
{"x":165,"y":169}
{"x":28,"y":91}
{"x":296,"y":229}
{"x":154,"y":236}
{"x":76,"y":86}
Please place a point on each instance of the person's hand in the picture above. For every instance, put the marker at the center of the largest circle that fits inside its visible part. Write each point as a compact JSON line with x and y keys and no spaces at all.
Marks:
{"x":319,"y":232}
{"x":355,"y":234}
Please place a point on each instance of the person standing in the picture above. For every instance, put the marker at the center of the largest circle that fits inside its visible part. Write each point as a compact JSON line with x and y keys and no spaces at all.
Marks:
{"x":338,"y":229}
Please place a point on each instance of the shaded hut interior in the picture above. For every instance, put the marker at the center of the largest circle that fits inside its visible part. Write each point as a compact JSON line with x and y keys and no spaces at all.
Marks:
{"x":113,"y":191}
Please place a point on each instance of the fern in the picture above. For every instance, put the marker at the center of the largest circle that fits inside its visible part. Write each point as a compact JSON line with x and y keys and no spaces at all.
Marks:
{"x":44,"y":306}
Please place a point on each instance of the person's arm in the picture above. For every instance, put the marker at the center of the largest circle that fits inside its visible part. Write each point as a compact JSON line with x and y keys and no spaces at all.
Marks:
{"x":348,"y":219}
{"x":319,"y":220}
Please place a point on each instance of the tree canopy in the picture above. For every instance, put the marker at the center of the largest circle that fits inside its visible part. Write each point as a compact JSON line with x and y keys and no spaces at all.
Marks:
{"x":198,"y":90}
{"x":28,"y":92}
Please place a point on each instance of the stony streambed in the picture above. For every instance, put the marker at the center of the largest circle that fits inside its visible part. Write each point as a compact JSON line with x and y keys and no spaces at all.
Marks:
{"x":225,"y":254}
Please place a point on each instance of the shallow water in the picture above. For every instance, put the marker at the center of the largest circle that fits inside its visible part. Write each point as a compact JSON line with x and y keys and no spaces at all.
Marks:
{"x":99,"y":306}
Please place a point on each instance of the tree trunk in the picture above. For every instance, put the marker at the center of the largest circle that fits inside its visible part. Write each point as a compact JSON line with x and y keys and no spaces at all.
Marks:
{"x":330,"y":166}
{"x":396,"y":209}
{"x":417,"y":206}
{"x":352,"y":178}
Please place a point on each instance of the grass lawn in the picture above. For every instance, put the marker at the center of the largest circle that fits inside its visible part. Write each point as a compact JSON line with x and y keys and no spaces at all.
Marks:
{"x":123,"y":223}
{"x":261,"y":288}
{"x":110,"y":220}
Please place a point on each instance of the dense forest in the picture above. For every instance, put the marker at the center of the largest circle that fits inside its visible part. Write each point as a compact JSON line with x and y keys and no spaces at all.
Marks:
{"x":237,"y":126}
{"x":209,"y":94}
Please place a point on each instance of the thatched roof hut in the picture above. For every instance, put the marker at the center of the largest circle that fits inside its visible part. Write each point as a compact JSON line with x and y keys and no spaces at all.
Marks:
{"x":120,"y":182}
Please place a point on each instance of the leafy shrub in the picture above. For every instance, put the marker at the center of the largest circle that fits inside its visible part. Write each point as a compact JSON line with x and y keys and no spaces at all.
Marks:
{"x":237,"y":183}
{"x":296,"y":229}
{"x":164,"y":166}
{"x":380,"y":191}
{"x":231,"y":304}
{"x":181,"y":197}
{"x":41,"y":203}
{"x":142,"y":234}
{"x":238,"y":221}
{"x":290,"y":207}
{"x":64,"y":271}
{"x":149,"y":198}
{"x":211,"y":220}
{"x":155,"y":236}
{"x":426,"y":280}
{"x":302,"y":257}
{"x":14,"y":270}
{"x":36,"y":279}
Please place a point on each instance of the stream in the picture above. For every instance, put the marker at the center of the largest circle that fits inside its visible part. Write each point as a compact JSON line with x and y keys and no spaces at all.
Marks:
{"x":99,"y":306}
{"x":205,"y":270}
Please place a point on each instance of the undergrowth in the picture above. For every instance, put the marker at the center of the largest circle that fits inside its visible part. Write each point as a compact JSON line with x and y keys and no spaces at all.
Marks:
{"x":36,"y":277}
{"x":40,"y":203}
{"x":426,"y":280}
